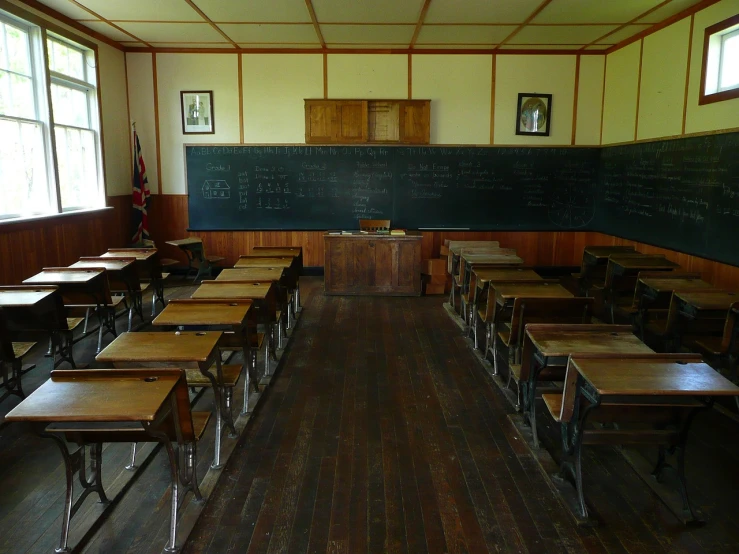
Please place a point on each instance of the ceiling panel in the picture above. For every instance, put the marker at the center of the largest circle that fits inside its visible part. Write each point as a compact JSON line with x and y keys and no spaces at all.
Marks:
{"x":623,"y":34}
{"x":374,"y":46}
{"x":561,"y":34}
{"x":67,"y":8}
{"x":594,"y":11}
{"x":463,"y":34}
{"x":290,"y":11}
{"x":143,"y":10}
{"x":598,"y":46}
{"x":250,"y":45}
{"x":396,"y":34}
{"x":219,"y":45}
{"x":455,"y":46}
{"x":481,"y":11}
{"x":676,"y":6}
{"x":129,"y":44}
{"x":172,"y":32}
{"x":300,"y":32}
{"x":367,"y":11}
{"x":107,"y":30}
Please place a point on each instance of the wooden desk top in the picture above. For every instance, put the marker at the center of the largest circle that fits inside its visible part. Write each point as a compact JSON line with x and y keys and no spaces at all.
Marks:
{"x":642,"y":262}
{"x":110,"y":265}
{"x":559,"y":343}
{"x":487,"y":274}
{"x":510,"y":259}
{"x":186,"y":346}
{"x":203,"y":313}
{"x":600,"y":252}
{"x":645,"y":378}
{"x":456,"y":246}
{"x":530,"y":290}
{"x":251,"y":274}
{"x":185,"y":242}
{"x":668,"y":285}
{"x":277,"y":250}
{"x":232,"y":289}
{"x":97,"y":395}
{"x":51,"y":276}
{"x":140,"y":254}
{"x":283,"y":261}
{"x":713,"y":299}
{"x":23,"y":298}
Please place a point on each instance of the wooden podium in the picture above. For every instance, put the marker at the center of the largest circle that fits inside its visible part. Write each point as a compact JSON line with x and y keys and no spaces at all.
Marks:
{"x":372,"y":264}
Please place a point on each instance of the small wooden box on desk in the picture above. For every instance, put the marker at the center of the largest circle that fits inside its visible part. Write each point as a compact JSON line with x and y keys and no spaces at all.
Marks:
{"x":383,"y":265}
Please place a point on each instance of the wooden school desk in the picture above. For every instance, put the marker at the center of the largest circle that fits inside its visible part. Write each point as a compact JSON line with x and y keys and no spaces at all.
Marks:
{"x":149,"y":267}
{"x":264,"y":295}
{"x":483,"y":303}
{"x":547,"y":346}
{"x":654,"y":291}
{"x":664,"y":390}
{"x":594,"y":262}
{"x":196,"y":347}
{"x":297,"y":252}
{"x":698,"y":313}
{"x":140,"y":405}
{"x":467,"y":263}
{"x":286,"y":287}
{"x":233,"y":315}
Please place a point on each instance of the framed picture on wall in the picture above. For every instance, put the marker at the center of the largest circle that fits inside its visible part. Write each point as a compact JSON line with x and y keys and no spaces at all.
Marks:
{"x":534,"y":114}
{"x":197,"y":112}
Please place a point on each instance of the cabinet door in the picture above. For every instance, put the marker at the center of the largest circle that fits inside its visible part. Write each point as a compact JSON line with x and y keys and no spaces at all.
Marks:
{"x":320,"y":121}
{"x":415,"y":121}
{"x":352,"y":120}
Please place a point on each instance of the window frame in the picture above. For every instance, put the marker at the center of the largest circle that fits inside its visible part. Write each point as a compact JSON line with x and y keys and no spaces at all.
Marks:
{"x":44,"y":29}
{"x":715,"y":32}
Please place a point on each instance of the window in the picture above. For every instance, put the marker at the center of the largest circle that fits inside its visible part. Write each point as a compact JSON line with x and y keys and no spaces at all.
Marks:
{"x":30,"y":183}
{"x":720,"y":71}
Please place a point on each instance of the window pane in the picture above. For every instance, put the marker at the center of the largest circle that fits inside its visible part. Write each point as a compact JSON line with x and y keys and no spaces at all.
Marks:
{"x":730,"y":62}
{"x":65,"y":59}
{"x":16,"y":96}
{"x":77,"y":164}
{"x":23,"y":186}
{"x":19,"y":60}
{"x":70,"y":106}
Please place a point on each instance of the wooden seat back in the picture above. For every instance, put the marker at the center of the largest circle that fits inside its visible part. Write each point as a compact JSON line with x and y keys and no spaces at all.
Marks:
{"x":374,"y":224}
{"x":547,"y":310}
{"x":571,"y":376}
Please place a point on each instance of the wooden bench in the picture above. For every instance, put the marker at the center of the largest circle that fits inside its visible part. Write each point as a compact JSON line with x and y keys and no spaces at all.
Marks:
{"x":141,"y":405}
{"x":623,"y":393}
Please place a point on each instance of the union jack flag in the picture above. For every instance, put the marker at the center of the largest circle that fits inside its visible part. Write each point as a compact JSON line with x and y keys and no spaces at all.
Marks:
{"x":141,"y":195}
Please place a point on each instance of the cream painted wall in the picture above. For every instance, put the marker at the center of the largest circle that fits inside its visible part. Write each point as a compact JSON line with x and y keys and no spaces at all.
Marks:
{"x":719,"y":115}
{"x":589,"y":99}
{"x":622,"y":81}
{"x":177,"y":72}
{"x":459,"y":87}
{"x":274,"y":87}
{"x":367,"y":76}
{"x":553,"y":75}
{"x":141,"y":105}
{"x":662,"y":96}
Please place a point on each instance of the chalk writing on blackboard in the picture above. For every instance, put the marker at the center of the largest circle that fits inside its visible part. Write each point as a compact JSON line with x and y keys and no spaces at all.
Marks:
{"x":216,"y":190}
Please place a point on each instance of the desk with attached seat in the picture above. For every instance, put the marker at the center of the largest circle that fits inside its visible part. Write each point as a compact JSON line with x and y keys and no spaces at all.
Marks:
{"x":196,"y":257}
{"x":149,"y":267}
{"x":200,"y":348}
{"x":140,"y":405}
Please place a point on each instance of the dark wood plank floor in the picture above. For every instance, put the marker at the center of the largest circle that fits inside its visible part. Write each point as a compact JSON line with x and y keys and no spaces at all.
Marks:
{"x":383,"y":433}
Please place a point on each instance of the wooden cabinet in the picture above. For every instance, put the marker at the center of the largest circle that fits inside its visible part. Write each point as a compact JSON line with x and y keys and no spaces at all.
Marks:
{"x":370,"y":264}
{"x":367,"y":121}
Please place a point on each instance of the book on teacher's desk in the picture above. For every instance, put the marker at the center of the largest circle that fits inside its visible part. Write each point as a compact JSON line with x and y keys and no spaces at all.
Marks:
{"x":397,"y":232}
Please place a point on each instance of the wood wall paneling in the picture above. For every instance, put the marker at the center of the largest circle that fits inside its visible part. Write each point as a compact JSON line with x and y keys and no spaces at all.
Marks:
{"x":28,"y":246}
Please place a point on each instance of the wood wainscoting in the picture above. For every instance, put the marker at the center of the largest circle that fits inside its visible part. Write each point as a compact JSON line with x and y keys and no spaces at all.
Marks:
{"x":169,"y":220}
{"x":28,"y":246}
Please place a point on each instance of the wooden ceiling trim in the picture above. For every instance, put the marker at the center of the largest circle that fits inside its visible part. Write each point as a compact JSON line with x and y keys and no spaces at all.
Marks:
{"x":666,"y":23}
{"x":630,"y":22}
{"x":399,"y":51}
{"x":41,"y":22}
{"x":208,"y":20}
{"x":101,"y":18}
{"x":526,"y":21}
{"x":314,"y":20}
{"x":419,"y":23}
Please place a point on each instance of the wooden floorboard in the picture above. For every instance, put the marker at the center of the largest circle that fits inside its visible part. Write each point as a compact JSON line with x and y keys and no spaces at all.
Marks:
{"x":380,"y":432}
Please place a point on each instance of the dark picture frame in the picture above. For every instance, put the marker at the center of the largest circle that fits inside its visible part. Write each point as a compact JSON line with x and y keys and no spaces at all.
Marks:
{"x":197,"y":112}
{"x":534,"y":114}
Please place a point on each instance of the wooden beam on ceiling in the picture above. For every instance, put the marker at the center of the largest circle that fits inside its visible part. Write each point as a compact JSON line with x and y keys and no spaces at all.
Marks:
{"x":630,"y":22}
{"x":316,"y":26}
{"x":526,"y":21}
{"x":419,"y":23}
{"x":101,"y":18}
{"x":210,"y":22}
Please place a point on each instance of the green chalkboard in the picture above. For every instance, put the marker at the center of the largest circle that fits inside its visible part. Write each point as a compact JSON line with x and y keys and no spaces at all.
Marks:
{"x":331,"y":187}
{"x":681,"y":194}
